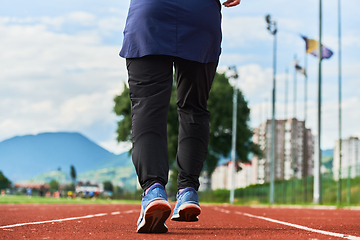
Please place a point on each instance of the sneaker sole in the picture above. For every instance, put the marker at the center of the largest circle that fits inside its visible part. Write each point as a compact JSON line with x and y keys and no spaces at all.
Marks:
{"x":156,"y":214}
{"x":188,"y":212}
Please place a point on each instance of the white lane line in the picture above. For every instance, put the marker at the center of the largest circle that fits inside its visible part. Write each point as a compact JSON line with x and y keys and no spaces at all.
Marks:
{"x":131,"y":211}
{"x":115,"y":213}
{"x":61,"y":220}
{"x":49,"y":221}
{"x":100,"y":214}
{"x":293,"y":225}
{"x":302,"y":227}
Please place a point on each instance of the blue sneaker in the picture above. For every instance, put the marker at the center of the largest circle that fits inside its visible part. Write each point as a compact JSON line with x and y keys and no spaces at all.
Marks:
{"x":187,"y":206}
{"x":155,"y":209}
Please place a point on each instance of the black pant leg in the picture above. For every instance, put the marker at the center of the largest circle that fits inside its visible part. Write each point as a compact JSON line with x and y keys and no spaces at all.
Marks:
{"x":150,"y":82}
{"x":194,"y":82}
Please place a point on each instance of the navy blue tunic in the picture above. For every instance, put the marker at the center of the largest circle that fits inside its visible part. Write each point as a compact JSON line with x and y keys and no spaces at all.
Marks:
{"x":190,"y":29}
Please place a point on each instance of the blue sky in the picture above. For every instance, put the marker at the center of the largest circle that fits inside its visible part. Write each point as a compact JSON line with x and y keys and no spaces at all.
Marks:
{"x":60,"y":68}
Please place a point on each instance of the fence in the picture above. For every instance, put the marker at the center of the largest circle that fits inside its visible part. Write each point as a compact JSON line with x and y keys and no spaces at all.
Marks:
{"x":300,"y":191}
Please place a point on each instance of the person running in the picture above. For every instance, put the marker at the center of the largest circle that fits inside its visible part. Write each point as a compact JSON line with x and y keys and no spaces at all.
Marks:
{"x":160,"y":35}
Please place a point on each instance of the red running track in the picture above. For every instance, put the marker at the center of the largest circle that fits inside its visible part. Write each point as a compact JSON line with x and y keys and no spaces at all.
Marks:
{"x":117,"y":221}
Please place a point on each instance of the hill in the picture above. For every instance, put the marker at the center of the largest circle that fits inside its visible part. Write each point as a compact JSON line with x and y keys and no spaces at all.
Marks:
{"x":25,"y":157}
{"x":124,"y":177}
{"x":327,"y":153}
{"x":327,"y":157}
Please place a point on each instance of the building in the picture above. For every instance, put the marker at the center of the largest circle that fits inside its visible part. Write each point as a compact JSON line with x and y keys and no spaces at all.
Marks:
{"x":294,"y":156}
{"x":294,"y":150}
{"x":222,"y":176}
{"x":89,"y":188}
{"x":219,"y":178}
{"x":350,"y":158}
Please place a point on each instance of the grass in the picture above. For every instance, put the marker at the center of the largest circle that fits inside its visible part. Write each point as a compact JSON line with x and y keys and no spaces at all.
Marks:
{"x":18,"y":199}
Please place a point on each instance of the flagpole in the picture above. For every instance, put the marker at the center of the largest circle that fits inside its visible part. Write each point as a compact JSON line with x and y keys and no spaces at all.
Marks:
{"x":272,"y":168}
{"x":266,"y":111}
{"x":233,"y":141}
{"x":318,"y":199}
{"x":339,"y":31}
{"x":293,"y":142}
{"x":305,"y":155}
{"x":285,"y":121}
{"x":273,"y":30}
{"x":305,"y":88}
{"x":260,"y":114}
{"x":286,"y":92}
{"x":295,"y":85}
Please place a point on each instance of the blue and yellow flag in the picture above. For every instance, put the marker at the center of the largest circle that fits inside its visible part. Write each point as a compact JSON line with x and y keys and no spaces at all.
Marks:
{"x":312,"y":47}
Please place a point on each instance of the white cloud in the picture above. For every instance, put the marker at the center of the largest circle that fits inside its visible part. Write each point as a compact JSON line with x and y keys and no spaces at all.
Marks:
{"x":115,"y":147}
{"x":56,"y":81}
{"x":254,"y":81}
{"x":9,"y":126}
{"x":42,"y":106}
{"x":83,"y":109}
{"x":242,"y":31}
{"x":229,"y":59}
{"x":55,"y":22}
{"x":83,"y":18}
{"x":111,"y":23}
{"x":59,"y":72}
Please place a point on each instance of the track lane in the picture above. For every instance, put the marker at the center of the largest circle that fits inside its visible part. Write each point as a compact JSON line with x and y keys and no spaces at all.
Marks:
{"x":328,"y":233}
{"x":216,"y":222}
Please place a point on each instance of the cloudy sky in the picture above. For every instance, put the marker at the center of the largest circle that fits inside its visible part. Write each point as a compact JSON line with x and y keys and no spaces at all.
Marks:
{"x":60,"y":68}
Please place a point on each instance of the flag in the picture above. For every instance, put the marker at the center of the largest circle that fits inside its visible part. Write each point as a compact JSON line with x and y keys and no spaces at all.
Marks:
{"x":300,"y":69}
{"x":312,"y":47}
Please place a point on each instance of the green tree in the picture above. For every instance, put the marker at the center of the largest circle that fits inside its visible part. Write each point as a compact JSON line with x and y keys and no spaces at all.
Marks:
{"x":70,"y":187}
{"x":118,"y":190}
{"x":108,"y":186}
{"x":73,"y":173}
{"x":122,"y":108}
{"x":4,"y":181}
{"x":220,"y":105}
{"x":53,"y":185}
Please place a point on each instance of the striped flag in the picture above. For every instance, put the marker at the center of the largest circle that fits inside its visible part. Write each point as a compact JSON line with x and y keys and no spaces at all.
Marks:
{"x":300,"y":69}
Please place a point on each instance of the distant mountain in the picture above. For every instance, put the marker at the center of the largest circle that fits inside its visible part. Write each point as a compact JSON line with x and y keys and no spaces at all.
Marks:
{"x":327,"y":158}
{"x":59,"y":176}
{"x":327,"y":153}
{"x":27,"y":156}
